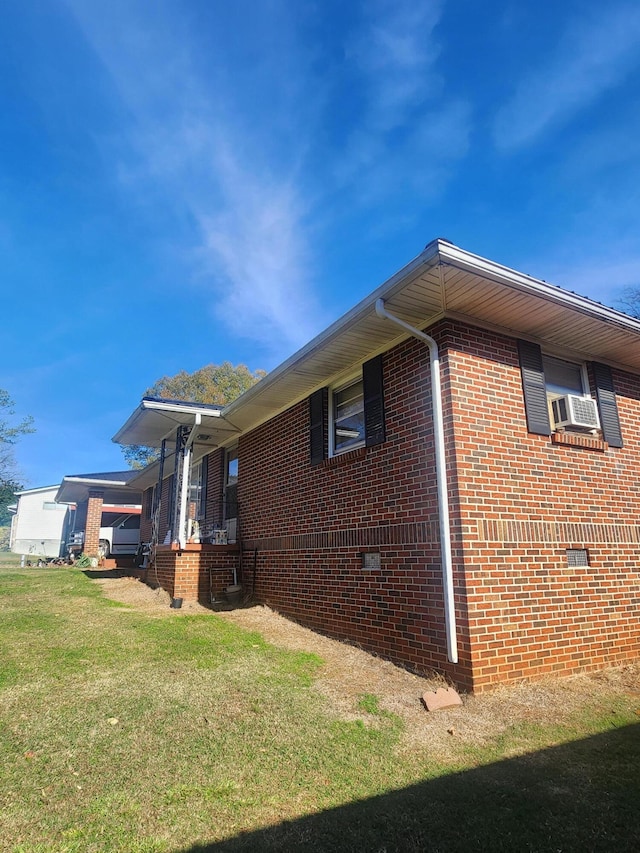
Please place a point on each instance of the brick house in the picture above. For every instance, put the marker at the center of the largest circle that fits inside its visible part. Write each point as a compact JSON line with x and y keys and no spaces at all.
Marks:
{"x":448,"y":476}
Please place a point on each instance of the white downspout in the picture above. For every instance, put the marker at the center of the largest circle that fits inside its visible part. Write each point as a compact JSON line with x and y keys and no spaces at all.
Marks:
{"x":441,"y":478}
{"x":184,"y":486}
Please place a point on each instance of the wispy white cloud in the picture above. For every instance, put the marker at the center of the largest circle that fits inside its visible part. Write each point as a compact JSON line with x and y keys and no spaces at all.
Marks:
{"x":397,"y":51}
{"x":409,"y":134}
{"x":235,"y":153}
{"x":593,"y":56}
{"x":255,"y":242}
{"x":187,"y":144}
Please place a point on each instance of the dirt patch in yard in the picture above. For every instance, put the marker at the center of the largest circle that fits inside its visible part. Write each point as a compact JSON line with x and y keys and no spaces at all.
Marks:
{"x":348,"y":673}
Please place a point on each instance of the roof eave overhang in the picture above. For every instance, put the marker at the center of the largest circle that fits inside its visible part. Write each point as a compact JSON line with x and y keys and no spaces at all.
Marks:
{"x":441,"y":282}
{"x":76,"y":490}
{"x":453,"y":256}
{"x":157,"y":420}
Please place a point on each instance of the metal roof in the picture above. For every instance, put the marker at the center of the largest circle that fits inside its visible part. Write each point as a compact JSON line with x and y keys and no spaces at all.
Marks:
{"x":443,"y":281}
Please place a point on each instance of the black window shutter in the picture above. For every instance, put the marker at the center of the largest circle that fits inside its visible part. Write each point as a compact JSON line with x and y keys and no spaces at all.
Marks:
{"x":535,"y":394}
{"x":374,"y":426}
{"x":318,"y":409}
{"x":606,"y":396}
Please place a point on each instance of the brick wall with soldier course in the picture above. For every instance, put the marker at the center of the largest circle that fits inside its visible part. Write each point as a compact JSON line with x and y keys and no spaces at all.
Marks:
{"x":526,"y":510}
{"x":550,"y":524}
{"x":306,"y":527}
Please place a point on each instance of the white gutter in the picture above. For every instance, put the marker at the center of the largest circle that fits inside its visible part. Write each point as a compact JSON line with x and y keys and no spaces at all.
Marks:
{"x":180,"y":408}
{"x":441,"y":478}
{"x":184,"y":485}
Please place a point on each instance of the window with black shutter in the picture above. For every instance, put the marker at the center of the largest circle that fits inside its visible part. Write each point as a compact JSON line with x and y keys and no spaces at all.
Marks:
{"x":374,"y":423}
{"x":351,"y":415}
{"x":607,"y":405}
{"x":533,"y":386}
{"x":557,"y":396}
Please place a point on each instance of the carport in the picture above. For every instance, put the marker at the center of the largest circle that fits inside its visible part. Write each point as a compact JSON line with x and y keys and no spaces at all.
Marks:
{"x":94,"y":494}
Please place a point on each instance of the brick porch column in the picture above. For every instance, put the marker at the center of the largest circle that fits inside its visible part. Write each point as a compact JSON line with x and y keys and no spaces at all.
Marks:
{"x":94,"y":517}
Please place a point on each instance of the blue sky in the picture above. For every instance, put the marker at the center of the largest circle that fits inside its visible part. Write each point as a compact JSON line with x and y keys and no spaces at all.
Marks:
{"x":192,"y":181}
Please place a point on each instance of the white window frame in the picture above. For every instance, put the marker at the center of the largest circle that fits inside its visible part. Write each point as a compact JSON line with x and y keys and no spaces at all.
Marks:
{"x":196,"y":489}
{"x":230,"y":522}
{"x":336,"y":389}
{"x":585,"y":393}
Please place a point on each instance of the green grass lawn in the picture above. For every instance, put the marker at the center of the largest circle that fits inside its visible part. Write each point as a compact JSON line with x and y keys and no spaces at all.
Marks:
{"x":121,"y":731}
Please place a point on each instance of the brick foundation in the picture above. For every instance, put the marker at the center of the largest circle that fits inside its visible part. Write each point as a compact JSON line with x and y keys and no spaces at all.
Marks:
{"x":195,"y":573}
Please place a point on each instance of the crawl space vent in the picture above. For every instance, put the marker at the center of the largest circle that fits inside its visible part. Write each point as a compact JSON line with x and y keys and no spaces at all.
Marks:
{"x":577,"y":557}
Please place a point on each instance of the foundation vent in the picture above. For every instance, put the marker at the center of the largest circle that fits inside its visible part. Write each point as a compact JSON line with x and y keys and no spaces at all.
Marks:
{"x":577,"y":557}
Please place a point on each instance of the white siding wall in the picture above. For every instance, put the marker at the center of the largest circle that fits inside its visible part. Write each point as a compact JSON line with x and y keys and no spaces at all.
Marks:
{"x":39,"y":523}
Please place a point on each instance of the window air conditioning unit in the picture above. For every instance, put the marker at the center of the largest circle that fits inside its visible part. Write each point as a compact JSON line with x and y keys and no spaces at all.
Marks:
{"x":574,"y":411}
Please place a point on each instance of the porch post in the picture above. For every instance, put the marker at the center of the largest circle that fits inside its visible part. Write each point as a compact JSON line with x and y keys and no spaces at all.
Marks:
{"x":94,"y":518}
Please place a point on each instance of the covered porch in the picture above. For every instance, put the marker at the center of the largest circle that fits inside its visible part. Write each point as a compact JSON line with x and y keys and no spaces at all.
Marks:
{"x":189,"y":508}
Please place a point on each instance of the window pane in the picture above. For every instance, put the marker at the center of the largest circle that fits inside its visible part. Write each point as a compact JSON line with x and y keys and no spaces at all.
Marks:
{"x":232,"y":467}
{"x":195,"y":490}
{"x":348,"y":414}
{"x":562,"y":377}
{"x":231,"y":485}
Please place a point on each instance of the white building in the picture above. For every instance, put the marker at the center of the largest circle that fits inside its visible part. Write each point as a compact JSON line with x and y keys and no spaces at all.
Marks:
{"x":40,"y":524}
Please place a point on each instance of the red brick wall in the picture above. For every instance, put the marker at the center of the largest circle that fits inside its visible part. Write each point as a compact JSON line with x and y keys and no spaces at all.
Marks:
{"x":306,"y":526}
{"x":518,"y":502}
{"x":524,"y":500}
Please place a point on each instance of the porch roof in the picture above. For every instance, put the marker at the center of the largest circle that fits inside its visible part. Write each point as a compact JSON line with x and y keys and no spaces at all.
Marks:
{"x":157,"y":419}
{"x":115,"y":486}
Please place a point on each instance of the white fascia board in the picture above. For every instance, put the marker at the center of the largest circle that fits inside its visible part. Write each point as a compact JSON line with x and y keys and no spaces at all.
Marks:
{"x":167,"y":409}
{"x":39,"y":489}
{"x":85,"y":481}
{"x":446,"y":253}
